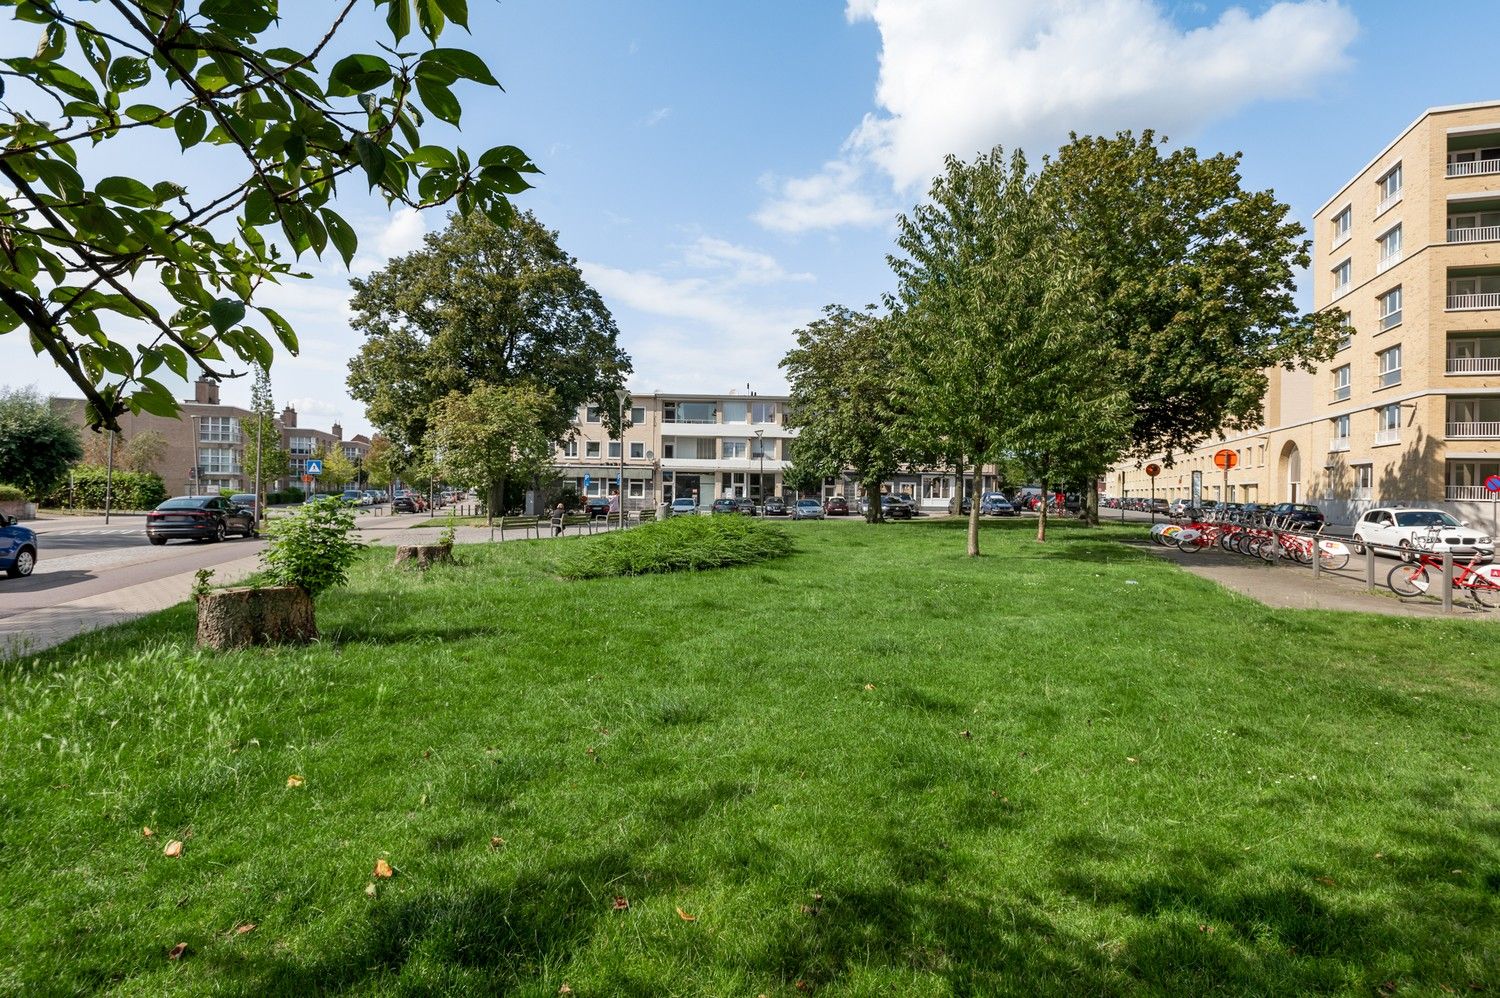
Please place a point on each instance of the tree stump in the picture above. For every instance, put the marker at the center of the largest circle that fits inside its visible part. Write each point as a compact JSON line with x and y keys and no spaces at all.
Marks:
{"x":239,"y":617}
{"x":425,"y":555}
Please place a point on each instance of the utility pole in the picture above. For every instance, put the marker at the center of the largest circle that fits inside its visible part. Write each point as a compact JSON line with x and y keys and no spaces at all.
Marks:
{"x":760,"y":448}
{"x":260,"y":500}
{"x":109,"y":477}
{"x":622,"y":395}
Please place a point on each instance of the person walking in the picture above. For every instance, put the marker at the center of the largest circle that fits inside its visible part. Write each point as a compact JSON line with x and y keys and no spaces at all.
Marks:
{"x":558,"y":515}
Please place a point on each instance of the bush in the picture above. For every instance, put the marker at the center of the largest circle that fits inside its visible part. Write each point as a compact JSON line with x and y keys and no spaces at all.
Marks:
{"x":130,"y":490}
{"x":313,"y":547}
{"x":289,"y":495}
{"x":682,"y":543}
{"x":10,"y":493}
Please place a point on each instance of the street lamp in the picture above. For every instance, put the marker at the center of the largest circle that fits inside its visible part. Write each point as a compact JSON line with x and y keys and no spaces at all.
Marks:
{"x":622,"y":395}
{"x":760,"y":447}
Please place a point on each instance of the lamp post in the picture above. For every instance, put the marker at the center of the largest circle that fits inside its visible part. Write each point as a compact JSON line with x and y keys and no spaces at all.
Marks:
{"x":622,"y":395}
{"x":760,"y":449}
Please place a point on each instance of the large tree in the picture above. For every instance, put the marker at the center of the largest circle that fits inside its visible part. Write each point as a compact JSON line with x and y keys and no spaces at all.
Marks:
{"x":492,"y":435}
{"x":338,"y":471}
{"x":38,"y":444}
{"x":82,"y":258}
{"x":844,"y":400}
{"x":265,"y":461}
{"x":481,"y":304}
{"x":1001,"y":344}
{"x":1198,"y":277}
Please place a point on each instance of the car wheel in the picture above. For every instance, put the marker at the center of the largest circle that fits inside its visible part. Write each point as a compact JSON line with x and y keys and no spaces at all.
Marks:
{"x":22,"y":566}
{"x":219,"y":531}
{"x":1359,"y":544}
{"x":1405,"y":552}
{"x":158,"y":541}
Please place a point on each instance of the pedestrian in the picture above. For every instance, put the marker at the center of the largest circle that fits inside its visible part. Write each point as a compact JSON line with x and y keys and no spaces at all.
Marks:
{"x":558,"y":513}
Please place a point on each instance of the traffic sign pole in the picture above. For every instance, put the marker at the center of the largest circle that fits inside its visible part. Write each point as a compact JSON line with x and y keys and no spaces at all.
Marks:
{"x":1152,"y":470}
{"x":1493,"y":484}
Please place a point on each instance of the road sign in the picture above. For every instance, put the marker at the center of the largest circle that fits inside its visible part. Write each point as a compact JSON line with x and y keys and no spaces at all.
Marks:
{"x":314,"y":466}
{"x":1492,"y":483}
{"x":1226,"y":459}
{"x":1153,"y":470}
{"x":588,"y":480}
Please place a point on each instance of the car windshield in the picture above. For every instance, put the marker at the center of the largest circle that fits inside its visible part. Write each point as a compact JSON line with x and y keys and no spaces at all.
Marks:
{"x":190,"y":503}
{"x":1425,"y":518}
{"x":1303,"y":508}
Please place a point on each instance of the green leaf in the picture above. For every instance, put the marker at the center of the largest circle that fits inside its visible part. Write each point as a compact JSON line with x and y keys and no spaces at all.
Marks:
{"x":457,"y":11}
{"x":190,"y":125}
{"x":430,"y":17}
{"x":341,"y":233}
{"x":153,"y":397}
{"x":127,"y":73}
{"x":398,"y":19}
{"x":53,"y":43}
{"x":127,"y":190}
{"x":166,"y":190}
{"x":284,"y":331}
{"x":225,"y":312}
{"x":508,"y":156}
{"x":463,"y":63}
{"x":435,"y":157}
{"x":176,"y":360}
{"x":148,"y":112}
{"x":371,"y":157}
{"x":357,"y":74}
{"x":439,"y":100}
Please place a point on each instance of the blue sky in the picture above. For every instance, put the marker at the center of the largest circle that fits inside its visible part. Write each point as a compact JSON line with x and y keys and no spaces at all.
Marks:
{"x":723,"y":170}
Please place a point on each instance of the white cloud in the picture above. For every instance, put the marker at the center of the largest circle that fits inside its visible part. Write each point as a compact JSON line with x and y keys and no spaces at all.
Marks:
{"x":657,"y":117}
{"x":959,"y":77}
{"x":402,"y":234}
{"x":837,"y":195}
{"x":744,"y":266}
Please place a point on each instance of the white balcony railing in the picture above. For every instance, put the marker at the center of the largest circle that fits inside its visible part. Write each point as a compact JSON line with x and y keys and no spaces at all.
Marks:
{"x":1387,"y":437}
{"x":1461,"y":303}
{"x":1474,"y":168}
{"x":1474,"y":365}
{"x":1458,"y":493}
{"x":1340,"y":290}
{"x":1479,"y":234}
{"x":1387,"y":203}
{"x":1473,"y":431}
{"x":1387,"y":262}
{"x":1338,"y":444}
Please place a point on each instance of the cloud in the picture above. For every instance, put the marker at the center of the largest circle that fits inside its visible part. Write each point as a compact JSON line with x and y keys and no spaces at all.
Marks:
{"x":402,"y":234}
{"x":744,"y":266}
{"x":960,"y":77}
{"x":656,"y":117}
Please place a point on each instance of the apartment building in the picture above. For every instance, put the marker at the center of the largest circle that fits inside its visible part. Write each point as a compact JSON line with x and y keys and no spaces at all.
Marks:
{"x":207,"y":443}
{"x":1409,"y":409}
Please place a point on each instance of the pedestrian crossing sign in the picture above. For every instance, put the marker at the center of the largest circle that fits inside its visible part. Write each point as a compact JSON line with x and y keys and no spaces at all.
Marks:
{"x":314,"y":467}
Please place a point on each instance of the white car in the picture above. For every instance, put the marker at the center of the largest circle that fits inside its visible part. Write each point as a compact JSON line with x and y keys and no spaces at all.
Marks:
{"x":684,"y":506}
{"x":1399,"y":531}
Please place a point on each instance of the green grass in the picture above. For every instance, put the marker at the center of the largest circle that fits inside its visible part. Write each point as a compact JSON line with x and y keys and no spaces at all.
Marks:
{"x":873,"y":766}
{"x":679,"y":544}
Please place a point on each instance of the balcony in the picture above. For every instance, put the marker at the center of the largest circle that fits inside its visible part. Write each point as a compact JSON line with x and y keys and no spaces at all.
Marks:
{"x":1387,"y":203}
{"x":1473,"y":365}
{"x":1383,"y":437}
{"x":1480,"y":234}
{"x":1473,"y":431}
{"x":1338,"y":444}
{"x":1468,"y":493}
{"x":1387,"y":262}
{"x":1469,"y":303}
{"x":1474,"y":168}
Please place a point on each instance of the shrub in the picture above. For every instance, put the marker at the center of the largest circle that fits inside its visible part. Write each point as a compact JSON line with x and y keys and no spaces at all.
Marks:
{"x":682,"y":543}
{"x":313,"y":547}
{"x":10,"y":493}
{"x":130,"y":490}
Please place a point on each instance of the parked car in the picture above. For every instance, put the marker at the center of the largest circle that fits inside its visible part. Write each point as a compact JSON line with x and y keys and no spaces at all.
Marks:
{"x":200,"y":518}
{"x":775,"y":506}
{"x":684,"y":506}
{"x":1177,"y":507}
{"x":247,"y":500}
{"x":995,"y":504}
{"x":745,"y":507}
{"x":835,"y":506}
{"x":597,"y":507}
{"x":896,"y":508}
{"x":354,"y":497}
{"x":724,"y":505}
{"x":808,"y":509}
{"x":1298,"y":513}
{"x":17,"y":548}
{"x":403,"y":504}
{"x":1393,"y":530}
{"x":1157,"y":505}
{"x":373,"y":497}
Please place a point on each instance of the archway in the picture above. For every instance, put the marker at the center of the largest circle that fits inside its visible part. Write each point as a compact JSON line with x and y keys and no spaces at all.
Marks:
{"x":1290,"y":471}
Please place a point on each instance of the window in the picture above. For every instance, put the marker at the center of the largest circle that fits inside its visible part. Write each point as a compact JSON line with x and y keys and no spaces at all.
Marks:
{"x":736,"y":412}
{"x":1466,"y":478}
{"x":1388,"y":424}
{"x":763,"y":412}
{"x":763,"y":448}
{"x":735,"y":448}
{"x":1389,"y":365}
{"x":1342,"y":274}
{"x":1473,"y":354}
{"x":218,"y":429}
{"x":937,"y":488}
{"x":1364,"y":480}
{"x":635,"y":489}
{"x":1390,"y":186}
{"x":637,"y":449}
{"x":591,"y":448}
{"x":690,"y":412}
{"x":1390,"y":308}
{"x":1480,"y":291}
{"x":300,"y":446}
{"x":1348,"y":339}
{"x":1341,"y":383}
{"x":1390,"y":247}
{"x":637,"y":415}
{"x":1340,"y":433}
{"x":591,"y":414}
{"x":570,"y":448}
{"x":217,"y":461}
{"x":614,"y":448}
{"x":1342,"y":223}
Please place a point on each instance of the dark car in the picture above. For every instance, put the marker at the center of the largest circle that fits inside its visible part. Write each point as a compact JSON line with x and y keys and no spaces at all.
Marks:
{"x":774,"y":506}
{"x":403,"y":504}
{"x":744,"y":507}
{"x":1298,"y":514}
{"x":724,"y":506}
{"x":995,"y":504}
{"x":247,"y":500}
{"x":199,"y":518}
{"x":836,"y":506}
{"x":597,"y":507}
{"x":895,"y":508}
{"x":17,"y":548}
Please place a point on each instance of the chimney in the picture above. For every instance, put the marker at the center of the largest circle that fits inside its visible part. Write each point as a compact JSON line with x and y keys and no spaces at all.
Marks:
{"x":289,"y":418}
{"x":206,"y":391}
{"x":338,"y":431}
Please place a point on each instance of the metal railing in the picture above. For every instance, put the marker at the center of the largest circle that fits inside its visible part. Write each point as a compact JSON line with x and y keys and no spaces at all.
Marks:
{"x":1387,"y":262}
{"x":1387,"y":203}
{"x":1478,"y":234}
{"x":1338,"y":444}
{"x":1387,"y":436}
{"x":1468,"y":493}
{"x":1474,"y":168}
{"x":1472,"y":430}
{"x":1474,"y":365}
{"x":1458,"y":303}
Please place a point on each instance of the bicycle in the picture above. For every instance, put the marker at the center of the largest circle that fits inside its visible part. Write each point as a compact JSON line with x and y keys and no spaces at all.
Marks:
{"x":1414,"y":578}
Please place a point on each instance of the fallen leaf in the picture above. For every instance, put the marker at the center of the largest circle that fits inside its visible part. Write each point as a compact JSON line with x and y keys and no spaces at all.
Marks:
{"x":869,"y":686}
{"x":427,"y":754}
{"x":1131,"y":758}
{"x":685,"y":916}
{"x":564,"y":990}
{"x":496,"y":842}
{"x":243,"y":928}
{"x":620,"y":903}
{"x":1326,"y":881}
{"x":383,"y":869}
{"x":294,"y":780}
{"x":177,"y":952}
{"x":173,"y":849}
{"x":1386,"y":988}
{"x":1206,"y":928}
{"x":965,"y":734}
{"x":370,"y":889}
{"x":818,"y":898}
{"x":1380,"y":855}
{"x":800,"y":985}
{"x":146,"y":831}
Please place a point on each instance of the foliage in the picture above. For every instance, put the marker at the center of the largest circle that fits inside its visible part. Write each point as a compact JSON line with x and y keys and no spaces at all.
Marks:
{"x":269,"y":462}
{"x":81,"y":253}
{"x":491,"y":435}
{"x":142,"y":452}
{"x":1198,"y":275}
{"x":803,"y":479}
{"x":377,"y":463}
{"x":202,"y":583}
{"x":11,"y":493}
{"x":450,"y":529}
{"x":677,"y":544}
{"x":38,"y":444}
{"x":312,"y":547}
{"x":290,"y":494}
{"x":338,"y":470}
{"x":479,"y":304}
{"x":84,"y":488}
{"x":844,"y":398}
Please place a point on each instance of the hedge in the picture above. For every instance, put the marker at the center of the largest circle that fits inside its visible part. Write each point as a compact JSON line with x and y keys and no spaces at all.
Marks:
{"x":131,"y":490}
{"x":11,"y":493}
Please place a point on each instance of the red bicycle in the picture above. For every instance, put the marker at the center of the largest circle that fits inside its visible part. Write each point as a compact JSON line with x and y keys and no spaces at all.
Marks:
{"x":1416,"y":578}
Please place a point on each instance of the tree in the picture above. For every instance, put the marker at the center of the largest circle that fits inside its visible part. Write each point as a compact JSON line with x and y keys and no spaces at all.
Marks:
{"x":1198,"y":276}
{"x":377,"y":462}
{"x":802,"y":479}
{"x":1000,"y":350}
{"x":491,"y":435}
{"x":480,"y":304}
{"x":338,"y":470}
{"x":37,"y":444}
{"x":143,"y":452}
{"x":265,"y":460}
{"x":96,"y":447}
{"x":81,"y":257}
{"x":844,"y":399}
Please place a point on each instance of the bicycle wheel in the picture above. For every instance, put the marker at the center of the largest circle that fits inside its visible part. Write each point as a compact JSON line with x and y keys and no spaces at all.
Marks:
{"x":1485,"y":593}
{"x":1332,"y":560}
{"x":1408,"y":580}
{"x":1191,"y":545}
{"x":1300,"y":552}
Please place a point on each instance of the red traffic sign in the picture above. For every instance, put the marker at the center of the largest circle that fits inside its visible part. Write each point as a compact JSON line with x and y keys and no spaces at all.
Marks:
{"x":1152,"y":470}
{"x":1492,"y":483}
{"x":1226,"y":459}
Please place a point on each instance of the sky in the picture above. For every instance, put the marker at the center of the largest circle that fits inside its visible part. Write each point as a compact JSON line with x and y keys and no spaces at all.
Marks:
{"x":722,"y":171}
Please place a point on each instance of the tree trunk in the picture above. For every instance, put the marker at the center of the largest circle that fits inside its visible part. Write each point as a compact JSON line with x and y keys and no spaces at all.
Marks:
{"x":1041,"y":520}
{"x":1091,"y":504}
{"x":973,"y":508}
{"x":489,"y":507}
{"x":502,"y":508}
{"x":425,"y":555}
{"x":873,"y":511}
{"x":244,"y":616}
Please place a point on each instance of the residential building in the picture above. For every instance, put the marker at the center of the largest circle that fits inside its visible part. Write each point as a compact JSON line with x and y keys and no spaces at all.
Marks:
{"x":1409,"y":409}
{"x":207,"y":444}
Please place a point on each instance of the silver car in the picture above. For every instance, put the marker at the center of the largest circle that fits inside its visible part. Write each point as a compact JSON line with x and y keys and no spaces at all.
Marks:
{"x":807,"y":509}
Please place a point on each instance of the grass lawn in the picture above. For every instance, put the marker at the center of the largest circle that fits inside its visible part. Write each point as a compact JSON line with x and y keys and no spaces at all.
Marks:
{"x":870,"y":768}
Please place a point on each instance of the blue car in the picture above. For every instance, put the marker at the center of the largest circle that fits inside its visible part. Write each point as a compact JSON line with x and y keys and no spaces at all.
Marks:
{"x":17,"y":548}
